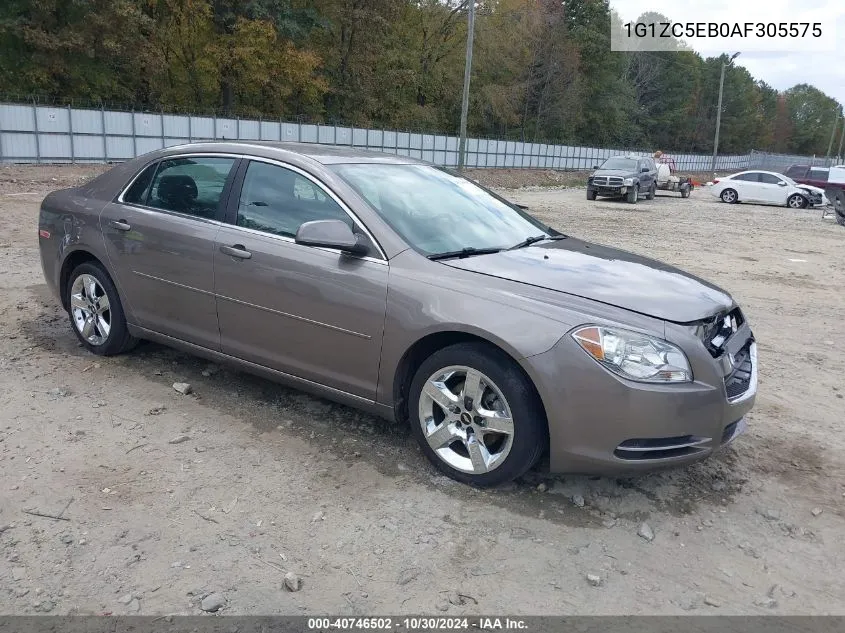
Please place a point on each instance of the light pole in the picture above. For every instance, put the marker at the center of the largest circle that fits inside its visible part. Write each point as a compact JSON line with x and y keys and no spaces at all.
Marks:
{"x":833,"y":132}
{"x":719,"y":113}
{"x":841,"y":138}
{"x":467,"y":74}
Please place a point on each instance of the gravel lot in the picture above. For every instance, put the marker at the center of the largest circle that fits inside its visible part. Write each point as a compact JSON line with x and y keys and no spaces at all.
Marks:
{"x":264,"y":480}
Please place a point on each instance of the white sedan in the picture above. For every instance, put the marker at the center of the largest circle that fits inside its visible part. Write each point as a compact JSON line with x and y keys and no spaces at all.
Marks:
{"x":766,"y":187}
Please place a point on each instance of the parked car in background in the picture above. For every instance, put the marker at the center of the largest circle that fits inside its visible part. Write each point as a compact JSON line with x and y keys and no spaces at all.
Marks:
{"x":830,"y":179}
{"x":766,"y":187}
{"x":403,"y":289}
{"x":625,"y":177}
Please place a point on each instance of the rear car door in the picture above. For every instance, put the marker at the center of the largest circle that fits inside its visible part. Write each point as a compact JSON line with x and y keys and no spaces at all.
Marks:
{"x":747,"y":186}
{"x":314,"y":313}
{"x":159,"y":236}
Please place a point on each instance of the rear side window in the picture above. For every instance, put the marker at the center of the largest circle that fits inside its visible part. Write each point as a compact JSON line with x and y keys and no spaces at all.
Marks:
{"x":752,"y":177}
{"x":190,"y":185}
{"x":139,"y":190}
{"x":796,"y":171}
{"x":819,"y":174}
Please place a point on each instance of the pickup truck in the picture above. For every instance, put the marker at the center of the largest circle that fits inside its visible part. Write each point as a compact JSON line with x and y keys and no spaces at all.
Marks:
{"x":831,"y":179}
{"x":625,"y":177}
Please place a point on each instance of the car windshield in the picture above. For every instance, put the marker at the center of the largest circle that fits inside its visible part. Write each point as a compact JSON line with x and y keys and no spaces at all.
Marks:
{"x":439,"y":212}
{"x":627,"y":164}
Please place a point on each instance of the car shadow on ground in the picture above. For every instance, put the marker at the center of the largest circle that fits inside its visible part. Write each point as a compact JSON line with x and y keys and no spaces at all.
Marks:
{"x":389,"y":448}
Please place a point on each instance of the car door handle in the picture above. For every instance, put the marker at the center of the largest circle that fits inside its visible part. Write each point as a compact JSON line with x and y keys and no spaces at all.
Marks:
{"x":120,"y":225}
{"x":236,"y":250}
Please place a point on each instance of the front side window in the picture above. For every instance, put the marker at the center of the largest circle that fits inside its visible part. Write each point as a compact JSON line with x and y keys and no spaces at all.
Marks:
{"x":436,"y":211}
{"x":278,"y":200}
{"x":191,"y":185}
{"x":769,"y":179}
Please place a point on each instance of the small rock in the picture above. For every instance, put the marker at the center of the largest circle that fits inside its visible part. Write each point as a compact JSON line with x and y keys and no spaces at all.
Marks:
{"x":318,"y":516}
{"x":125,"y":599}
{"x":176,"y":564}
{"x":771,"y":515}
{"x":183,"y":388}
{"x":67,"y":539}
{"x":406,"y":576}
{"x":157,"y":410}
{"x":58,"y":393}
{"x":712,"y":602}
{"x":578,"y":500}
{"x":769,"y":603}
{"x":18,"y":573}
{"x":292,"y":582}
{"x":20,"y":593}
{"x":179,"y":439}
{"x":594,"y":579}
{"x":213,"y":603}
{"x":134,"y":605}
{"x":45,"y":606}
{"x":442,"y":605}
{"x":541,"y":487}
{"x":646,"y":532}
{"x":82,"y":541}
{"x":816,"y":511}
{"x":210,"y":370}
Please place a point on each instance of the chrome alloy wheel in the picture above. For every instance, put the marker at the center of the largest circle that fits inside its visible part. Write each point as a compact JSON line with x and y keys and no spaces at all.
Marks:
{"x":89,"y":307}
{"x":796,"y":202}
{"x":466,"y":420}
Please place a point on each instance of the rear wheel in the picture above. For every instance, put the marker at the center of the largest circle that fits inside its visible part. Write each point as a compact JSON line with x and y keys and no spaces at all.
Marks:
{"x":476,"y":416}
{"x":796,"y":201}
{"x":96,"y":313}
{"x":651,"y":192}
{"x":729,"y":196}
{"x":685,"y":191}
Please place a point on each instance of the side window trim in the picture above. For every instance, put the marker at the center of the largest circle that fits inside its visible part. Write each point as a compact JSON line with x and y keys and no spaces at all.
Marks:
{"x":224,"y":195}
{"x":231,"y":215}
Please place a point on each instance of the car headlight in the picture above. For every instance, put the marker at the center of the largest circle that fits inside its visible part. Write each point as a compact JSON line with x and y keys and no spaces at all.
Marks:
{"x":633,"y":355}
{"x":628,"y":182}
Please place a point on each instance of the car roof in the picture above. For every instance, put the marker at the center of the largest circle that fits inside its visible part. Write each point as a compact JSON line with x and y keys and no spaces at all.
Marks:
{"x":324,"y":154}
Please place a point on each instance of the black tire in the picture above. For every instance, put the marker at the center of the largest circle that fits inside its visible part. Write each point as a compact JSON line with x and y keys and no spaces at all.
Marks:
{"x":118,"y":339}
{"x":840,"y":218}
{"x":685,"y":191}
{"x":632,"y":195}
{"x":729,"y":196}
{"x":591,"y":194}
{"x":530,"y":429}
{"x":797,"y":201}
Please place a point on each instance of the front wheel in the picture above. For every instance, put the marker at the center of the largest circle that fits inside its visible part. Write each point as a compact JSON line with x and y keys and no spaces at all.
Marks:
{"x":591,"y":194}
{"x":476,"y":416}
{"x":96,"y":314}
{"x":631,"y":196}
{"x":796,"y":201}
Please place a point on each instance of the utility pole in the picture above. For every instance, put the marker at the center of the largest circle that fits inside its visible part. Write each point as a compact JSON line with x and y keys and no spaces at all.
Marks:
{"x":841,"y":138}
{"x":467,"y":74}
{"x":719,"y":113}
{"x":833,"y":132}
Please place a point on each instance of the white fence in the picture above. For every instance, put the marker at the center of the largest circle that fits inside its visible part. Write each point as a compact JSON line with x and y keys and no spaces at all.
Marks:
{"x":31,"y":133}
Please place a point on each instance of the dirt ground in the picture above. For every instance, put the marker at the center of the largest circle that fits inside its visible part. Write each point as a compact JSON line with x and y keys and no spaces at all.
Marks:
{"x":165,"y":499}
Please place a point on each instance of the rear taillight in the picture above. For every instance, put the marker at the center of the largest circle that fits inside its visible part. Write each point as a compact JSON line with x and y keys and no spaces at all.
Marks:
{"x":44,"y":234}
{"x":715,"y":181}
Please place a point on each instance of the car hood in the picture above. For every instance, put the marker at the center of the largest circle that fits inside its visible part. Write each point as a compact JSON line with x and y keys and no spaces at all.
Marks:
{"x":605,"y":274}
{"x":811,"y":188}
{"x":624,"y":173}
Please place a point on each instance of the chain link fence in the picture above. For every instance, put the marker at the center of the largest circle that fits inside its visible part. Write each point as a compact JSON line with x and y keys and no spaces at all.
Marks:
{"x":38,"y":133}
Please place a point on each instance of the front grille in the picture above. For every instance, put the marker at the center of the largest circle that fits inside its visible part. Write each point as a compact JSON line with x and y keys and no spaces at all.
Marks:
{"x":719,"y":329}
{"x":660,"y":448}
{"x":739,"y":380}
{"x":607,"y":181}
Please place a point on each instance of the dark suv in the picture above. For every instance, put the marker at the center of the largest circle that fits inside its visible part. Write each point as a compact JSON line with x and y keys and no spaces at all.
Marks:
{"x":625,"y":177}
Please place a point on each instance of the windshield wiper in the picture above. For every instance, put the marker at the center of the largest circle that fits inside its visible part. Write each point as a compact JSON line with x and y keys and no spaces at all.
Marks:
{"x":534,"y":239}
{"x":464,"y":252}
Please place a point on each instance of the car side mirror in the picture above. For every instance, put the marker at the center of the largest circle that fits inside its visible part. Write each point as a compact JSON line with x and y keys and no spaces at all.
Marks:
{"x":330,"y":234}
{"x":781,"y":183}
{"x":644,"y":170}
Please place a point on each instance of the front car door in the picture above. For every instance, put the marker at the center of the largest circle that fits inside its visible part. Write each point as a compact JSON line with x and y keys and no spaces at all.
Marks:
{"x":770,"y":191}
{"x":159,"y":235}
{"x":314,"y":313}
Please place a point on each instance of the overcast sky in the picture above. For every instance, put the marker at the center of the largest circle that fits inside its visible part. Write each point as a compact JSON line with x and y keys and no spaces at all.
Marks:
{"x":786,"y":63}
